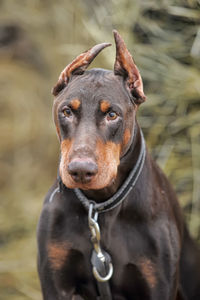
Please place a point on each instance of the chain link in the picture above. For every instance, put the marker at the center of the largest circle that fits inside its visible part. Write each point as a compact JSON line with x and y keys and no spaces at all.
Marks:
{"x":95,"y":232}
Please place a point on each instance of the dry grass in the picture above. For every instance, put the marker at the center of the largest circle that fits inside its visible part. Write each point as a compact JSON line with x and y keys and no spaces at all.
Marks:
{"x":164,"y":37}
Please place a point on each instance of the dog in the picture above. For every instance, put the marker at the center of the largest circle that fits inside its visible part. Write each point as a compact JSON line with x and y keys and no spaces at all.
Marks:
{"x":108,"y":187}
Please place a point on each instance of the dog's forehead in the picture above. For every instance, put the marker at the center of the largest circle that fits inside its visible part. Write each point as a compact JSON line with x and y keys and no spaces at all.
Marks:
{"x":96,"y":85}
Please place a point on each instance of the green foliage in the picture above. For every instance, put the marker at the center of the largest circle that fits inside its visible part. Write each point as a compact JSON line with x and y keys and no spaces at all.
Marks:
{"x":164,"y":38}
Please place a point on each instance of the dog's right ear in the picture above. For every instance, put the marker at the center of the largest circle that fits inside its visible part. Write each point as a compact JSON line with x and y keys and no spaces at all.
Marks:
{"x":77,"y":66}
{"x":125,"y":66}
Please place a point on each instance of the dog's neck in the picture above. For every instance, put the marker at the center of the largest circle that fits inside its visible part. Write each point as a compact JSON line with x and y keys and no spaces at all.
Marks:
{"x":127,"y":163}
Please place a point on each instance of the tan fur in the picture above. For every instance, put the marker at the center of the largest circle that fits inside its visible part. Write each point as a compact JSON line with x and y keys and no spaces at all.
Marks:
{"x":58,"y":253}
{"x":104,"y":106}
{"x":148,"y":271}
{"x":75,"y":104}
{"x":126,"y":137}
{"x":66,"y":148}
{"x":108,"y":155}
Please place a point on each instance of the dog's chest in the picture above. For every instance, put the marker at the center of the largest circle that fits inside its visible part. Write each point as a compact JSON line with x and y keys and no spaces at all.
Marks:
{"x":132,"y":247}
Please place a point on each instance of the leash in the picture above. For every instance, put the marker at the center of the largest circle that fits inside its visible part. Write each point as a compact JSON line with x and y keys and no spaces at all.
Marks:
{"x":100,"y":259}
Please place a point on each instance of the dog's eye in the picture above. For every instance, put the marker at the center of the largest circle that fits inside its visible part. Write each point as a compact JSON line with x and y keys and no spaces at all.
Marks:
{"x":67,"y":112}
{"x":111,"y":115}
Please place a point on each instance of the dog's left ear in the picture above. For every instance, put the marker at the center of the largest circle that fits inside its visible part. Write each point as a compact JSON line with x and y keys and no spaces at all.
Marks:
{"x":125,"y":66}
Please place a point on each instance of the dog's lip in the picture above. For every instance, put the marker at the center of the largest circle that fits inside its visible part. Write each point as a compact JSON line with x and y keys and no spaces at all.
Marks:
{"x":82,"y":186}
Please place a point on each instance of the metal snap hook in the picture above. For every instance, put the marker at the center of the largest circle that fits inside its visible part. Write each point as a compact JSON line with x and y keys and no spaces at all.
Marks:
{"x":96,"y":237}
{"x":107,"y":277}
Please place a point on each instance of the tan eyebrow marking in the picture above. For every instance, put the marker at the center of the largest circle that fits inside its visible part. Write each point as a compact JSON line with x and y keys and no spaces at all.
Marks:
{"x":104,"y":106}
{"x":75,"y":104}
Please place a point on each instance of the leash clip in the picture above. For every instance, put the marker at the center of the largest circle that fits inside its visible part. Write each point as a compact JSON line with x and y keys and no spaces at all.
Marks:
{"x":95,"y":230}
{"x":101,"y":260}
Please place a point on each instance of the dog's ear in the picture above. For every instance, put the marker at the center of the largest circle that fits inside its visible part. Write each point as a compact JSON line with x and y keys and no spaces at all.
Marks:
{"x":77,"y":66}
{"x":125,"y":66}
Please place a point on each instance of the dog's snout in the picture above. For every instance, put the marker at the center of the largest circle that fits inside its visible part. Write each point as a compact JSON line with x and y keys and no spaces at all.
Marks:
{"x":82,"y":171}
{"x":82,"y":150}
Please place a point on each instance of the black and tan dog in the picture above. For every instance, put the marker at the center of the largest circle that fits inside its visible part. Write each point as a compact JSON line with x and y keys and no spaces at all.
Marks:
{"x":103,"y":158}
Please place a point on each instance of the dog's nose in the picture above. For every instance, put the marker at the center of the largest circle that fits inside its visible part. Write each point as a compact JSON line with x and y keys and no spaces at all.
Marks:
{"x":82,"y":171}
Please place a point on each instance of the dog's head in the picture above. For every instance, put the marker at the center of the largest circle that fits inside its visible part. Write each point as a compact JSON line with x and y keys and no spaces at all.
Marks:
{"x":94,"y":113}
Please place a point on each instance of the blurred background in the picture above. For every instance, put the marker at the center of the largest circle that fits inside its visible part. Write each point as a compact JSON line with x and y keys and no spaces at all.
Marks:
{"x":37,"y":40}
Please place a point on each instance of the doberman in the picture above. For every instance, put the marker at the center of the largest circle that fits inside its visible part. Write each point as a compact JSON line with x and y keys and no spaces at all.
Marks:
{"x":108,"y":182}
